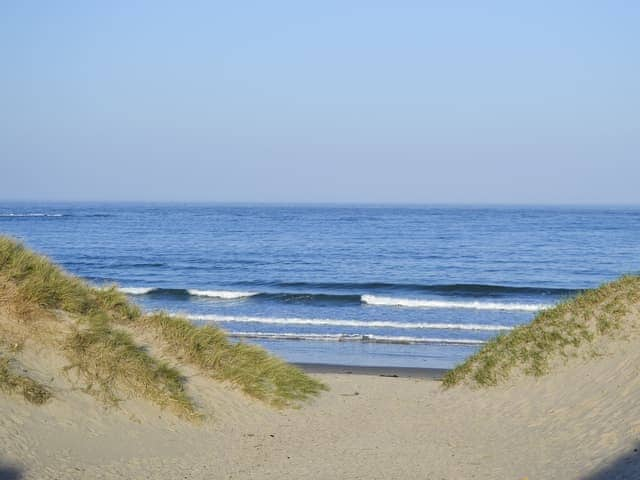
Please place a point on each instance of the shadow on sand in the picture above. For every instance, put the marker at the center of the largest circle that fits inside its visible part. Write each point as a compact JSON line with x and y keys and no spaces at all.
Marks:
{"x":9,"y":473}
{"x":625,"y":467}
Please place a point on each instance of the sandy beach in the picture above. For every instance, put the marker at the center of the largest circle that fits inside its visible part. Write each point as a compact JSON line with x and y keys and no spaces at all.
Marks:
{"x":582,"y":421}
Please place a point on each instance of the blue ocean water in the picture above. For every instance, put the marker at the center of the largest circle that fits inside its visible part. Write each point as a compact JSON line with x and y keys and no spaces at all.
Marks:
{"x":358,"y":285}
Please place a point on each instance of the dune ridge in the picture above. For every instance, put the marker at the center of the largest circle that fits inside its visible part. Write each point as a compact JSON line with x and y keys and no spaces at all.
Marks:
{"x":578,"y":326}
{"x":96,"y":330}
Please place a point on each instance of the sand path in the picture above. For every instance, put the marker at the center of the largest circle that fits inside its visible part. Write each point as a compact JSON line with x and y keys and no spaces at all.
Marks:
{"x":574,"y":423}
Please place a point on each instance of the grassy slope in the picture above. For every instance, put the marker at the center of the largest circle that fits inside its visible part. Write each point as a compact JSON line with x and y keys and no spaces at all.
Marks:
{"x":107,"y":358}
{"x":556,"y":333}
{"x":252,"y":368}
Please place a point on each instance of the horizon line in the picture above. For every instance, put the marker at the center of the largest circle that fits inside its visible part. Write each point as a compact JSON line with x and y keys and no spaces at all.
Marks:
{"x":321,"y":203}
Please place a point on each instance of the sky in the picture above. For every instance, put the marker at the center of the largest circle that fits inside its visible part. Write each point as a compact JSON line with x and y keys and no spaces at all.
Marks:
{"x":345,"y":101}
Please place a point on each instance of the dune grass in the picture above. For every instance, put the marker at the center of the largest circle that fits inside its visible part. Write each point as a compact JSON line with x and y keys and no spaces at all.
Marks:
{"x":554,"y":333}
{"x":42,"y":285}
{"x":110,"y":361}
{"x":256,"y":372}
{"x":12,"y":382}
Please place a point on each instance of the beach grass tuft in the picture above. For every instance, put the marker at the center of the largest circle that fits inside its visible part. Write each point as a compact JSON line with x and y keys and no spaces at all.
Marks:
{"x":93,"y":329}
{"x":109,"y":361}
{"x":251,"y":368}
{"x":12,"y":382}
{"x":554,"y":333}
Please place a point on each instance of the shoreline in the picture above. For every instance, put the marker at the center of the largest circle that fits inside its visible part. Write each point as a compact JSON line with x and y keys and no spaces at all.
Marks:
{"x":399,"y":372}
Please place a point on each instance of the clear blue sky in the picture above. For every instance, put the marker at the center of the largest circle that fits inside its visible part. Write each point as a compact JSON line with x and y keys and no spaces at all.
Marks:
{"x":346,"y":101}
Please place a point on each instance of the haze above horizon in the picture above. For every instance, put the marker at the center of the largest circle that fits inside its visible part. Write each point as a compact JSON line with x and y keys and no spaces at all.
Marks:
{"x":283,"y":102}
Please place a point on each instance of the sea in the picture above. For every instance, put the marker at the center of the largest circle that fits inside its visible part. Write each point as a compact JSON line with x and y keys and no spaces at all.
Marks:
{"x":357,"y":285}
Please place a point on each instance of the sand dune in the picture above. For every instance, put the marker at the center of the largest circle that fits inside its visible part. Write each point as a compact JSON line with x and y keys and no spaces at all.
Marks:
{"x":580,"y":421}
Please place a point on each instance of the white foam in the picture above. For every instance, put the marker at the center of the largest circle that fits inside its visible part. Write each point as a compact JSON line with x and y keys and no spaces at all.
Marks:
{"x":331,"y":337}
{"x":416,"y":303}
{"x":136,"y":290}
{"x":348,"y":323}
{"x":223,"y":294}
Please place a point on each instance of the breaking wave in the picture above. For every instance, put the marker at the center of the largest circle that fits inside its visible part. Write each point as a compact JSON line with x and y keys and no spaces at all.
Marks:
{"x":354,"y":338}
{"x":475,"y":305}
{"x":347,"y":323}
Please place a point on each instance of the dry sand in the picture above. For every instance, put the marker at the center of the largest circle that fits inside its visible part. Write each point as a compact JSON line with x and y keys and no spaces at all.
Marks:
{"x":583,"y":421}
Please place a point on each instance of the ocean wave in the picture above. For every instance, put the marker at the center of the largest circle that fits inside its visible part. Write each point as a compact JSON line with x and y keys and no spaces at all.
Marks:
{"x":345,"y":299}
{"x":419,"y":303}
{"x":57,"y":215}
{"x":220,"y":294}
{"x":355,"y":338}
{"x":457,"y":289}
{"x":235,"y":295}
{"x":136,"y":290}
{"x":22,"y":215}
{"x":115,"y":265}
{"x":347,"y":323}
{"x":137,"y":265}
{"x":315,"y":298}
